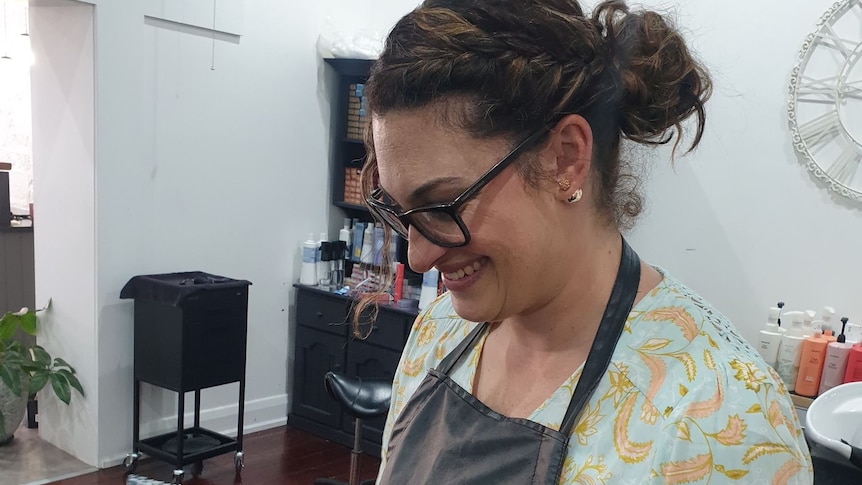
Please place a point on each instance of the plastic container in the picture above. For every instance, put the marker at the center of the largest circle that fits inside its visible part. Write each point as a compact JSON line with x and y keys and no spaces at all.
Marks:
{"x":367,"y":254}
{"x":791,"y":349}
{"x":854,"y":364}
{"x":835,"y":365}
{"x":811,"y":366}
{"x":769,"y":339}
{"x":308,"y":273}
{"x":429,"y":287}
{"x":346,"y":235}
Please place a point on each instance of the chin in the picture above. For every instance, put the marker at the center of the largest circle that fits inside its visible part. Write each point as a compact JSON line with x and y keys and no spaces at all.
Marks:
{"x":472,"y":310}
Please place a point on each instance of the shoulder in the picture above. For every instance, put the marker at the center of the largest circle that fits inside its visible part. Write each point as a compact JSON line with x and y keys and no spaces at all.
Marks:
{"x":713,"y":396}
{"x":685,"y":341}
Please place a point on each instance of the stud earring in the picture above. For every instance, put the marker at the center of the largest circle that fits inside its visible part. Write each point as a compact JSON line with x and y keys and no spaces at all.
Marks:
{"x":575,"y":197}
{"x":565,"y":185}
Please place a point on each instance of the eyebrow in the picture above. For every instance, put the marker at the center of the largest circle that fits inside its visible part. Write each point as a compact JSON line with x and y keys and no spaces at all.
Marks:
{"x":421,"y":193}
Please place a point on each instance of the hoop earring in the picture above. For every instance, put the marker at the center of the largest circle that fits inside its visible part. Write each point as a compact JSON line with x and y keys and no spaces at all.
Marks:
{"x":565,"y":184}
{"x":575,"y":197}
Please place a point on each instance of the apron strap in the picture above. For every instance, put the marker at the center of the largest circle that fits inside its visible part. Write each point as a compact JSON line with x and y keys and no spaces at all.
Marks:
{"x":454,"y":357}
{"x":609,"y":331}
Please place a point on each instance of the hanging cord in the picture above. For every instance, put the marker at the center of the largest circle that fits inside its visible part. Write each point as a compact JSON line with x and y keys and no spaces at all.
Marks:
{"x":212,"y":66}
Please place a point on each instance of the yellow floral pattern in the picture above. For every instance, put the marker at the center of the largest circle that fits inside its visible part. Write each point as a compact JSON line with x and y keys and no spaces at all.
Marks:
{"x":685,"y":400}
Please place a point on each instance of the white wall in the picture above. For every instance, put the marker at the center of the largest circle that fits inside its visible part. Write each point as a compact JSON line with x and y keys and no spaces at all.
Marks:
{"x":741,"y":220}
{"x":64,"y":168}
{"x":222,"y":170}
{"x":15,"y":124}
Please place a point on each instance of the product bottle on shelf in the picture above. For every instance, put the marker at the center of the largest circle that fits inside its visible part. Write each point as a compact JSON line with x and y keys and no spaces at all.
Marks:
{"x":379,"y":235}
{"x":808,"y":324}
{"x":825,"y":320}
{"x":324,"y":270}
{"x":835,"y":365}
{"x":346,"y":235}
{"x":308,"y":274}
{"x":429,"y":287}
{"x":854,"y":364}
{"x":811,"y":365}
{"x":791,"y":349}
{"x":769,"y":339}
{"x":322,"y":267}
{"x":358,"y":237}
{"x":780,"y":306}
{"x":367,"y":254}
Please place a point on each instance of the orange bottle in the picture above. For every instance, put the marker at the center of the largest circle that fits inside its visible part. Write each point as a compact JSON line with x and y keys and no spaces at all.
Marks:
{"x":811,"y":365}
{"x":854,"y":364}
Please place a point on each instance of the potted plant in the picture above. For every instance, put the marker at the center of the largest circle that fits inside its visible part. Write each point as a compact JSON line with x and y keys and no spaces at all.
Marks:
{"x":26,"y":369}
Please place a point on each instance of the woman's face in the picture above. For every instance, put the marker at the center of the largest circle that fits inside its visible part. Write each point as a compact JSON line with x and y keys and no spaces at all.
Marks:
{"x":510,"y":265}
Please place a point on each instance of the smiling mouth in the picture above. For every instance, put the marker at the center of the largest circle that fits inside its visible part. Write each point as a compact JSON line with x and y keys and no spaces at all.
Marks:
{"x":464,"y":272}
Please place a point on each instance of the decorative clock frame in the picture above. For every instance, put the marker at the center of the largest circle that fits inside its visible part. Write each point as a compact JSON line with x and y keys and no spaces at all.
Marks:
{"x":825,"y":113}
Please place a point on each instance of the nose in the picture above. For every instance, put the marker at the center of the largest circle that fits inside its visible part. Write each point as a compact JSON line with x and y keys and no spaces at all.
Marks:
{"x":421,"y":253}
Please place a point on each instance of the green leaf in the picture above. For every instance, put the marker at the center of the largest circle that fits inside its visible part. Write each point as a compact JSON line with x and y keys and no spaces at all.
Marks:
{"x":28,"y":322}
{"x":38,"y":381}
{"x":7,"y":326}
{"x":12,"y":378}
{"x":58,"y":362}
{"x":31,"y":367}
{"x":61,"y":387}
{"x":41,"y":355}
{"x":73,"y":381}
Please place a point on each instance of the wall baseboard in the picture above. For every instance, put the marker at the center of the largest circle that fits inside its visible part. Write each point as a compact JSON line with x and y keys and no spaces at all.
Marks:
{"x":260,"y":414}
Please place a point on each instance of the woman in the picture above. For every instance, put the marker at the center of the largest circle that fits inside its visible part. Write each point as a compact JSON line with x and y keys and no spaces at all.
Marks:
{"x":494,"y":147}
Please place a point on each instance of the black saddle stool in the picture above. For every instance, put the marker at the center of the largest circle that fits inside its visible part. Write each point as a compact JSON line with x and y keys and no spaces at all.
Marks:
{"x":362,"y":399}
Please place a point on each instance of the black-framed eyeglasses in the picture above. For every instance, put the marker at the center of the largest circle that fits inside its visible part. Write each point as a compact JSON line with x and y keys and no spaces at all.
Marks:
{"x":441,"y":224}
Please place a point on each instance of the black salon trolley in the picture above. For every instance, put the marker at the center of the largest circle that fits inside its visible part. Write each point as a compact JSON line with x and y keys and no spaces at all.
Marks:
{"x":190,"y":334}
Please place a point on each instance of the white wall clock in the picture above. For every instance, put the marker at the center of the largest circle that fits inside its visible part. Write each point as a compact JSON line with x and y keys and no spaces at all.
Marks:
{"x":825,"y":106}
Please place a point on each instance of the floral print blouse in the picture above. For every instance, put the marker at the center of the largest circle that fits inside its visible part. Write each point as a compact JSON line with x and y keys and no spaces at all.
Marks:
{"x":684,"y":400}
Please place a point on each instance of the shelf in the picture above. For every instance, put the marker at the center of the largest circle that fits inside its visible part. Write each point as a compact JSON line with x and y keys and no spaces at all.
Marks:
{"x":153,"y":446}
{"x":353,"y":141}
{"x":353,"y":207}
{"x":801,"y":401}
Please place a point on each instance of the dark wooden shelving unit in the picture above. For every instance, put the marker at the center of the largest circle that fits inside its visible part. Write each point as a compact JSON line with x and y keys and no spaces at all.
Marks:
{"x":346,"y":152}
{"x":324,"y":339}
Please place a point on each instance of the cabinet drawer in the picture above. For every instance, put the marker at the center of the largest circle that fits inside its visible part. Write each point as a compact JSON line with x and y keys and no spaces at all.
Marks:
{"x":324,"y":313}
{"x":389,"y":331}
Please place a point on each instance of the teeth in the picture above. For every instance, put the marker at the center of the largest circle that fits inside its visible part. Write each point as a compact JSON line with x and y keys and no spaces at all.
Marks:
{"x":465,"y":271}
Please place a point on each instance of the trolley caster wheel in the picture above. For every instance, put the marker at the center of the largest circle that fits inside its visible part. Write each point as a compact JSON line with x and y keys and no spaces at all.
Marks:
{"x":197,"y":468}
{"x":178,"y":477}
{"x":238,"y":461}
{"x":130,"y":462}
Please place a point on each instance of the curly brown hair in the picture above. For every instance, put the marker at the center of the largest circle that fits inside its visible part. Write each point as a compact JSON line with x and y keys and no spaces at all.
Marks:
{"x":519,"y":65}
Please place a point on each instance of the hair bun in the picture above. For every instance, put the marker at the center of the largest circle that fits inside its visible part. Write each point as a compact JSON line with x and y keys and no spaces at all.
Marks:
{"x":661,"y":83}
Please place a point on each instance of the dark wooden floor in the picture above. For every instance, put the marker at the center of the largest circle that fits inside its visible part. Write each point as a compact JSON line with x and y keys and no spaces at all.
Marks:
{"x":280,"y":456}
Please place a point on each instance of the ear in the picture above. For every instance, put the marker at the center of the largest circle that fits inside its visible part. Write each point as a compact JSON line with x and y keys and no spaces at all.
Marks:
{"x":571,"y":144}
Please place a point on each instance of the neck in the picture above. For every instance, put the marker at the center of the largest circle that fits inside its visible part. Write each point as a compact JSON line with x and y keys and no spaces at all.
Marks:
{"x":570,"y":318}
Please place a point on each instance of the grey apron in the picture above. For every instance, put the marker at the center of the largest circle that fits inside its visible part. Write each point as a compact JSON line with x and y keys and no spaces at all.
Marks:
{"x":444,"y":435}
